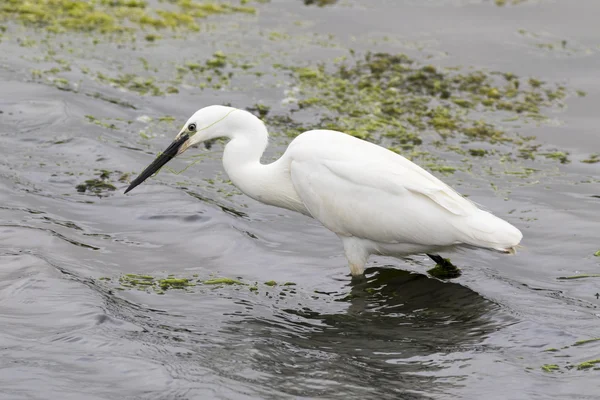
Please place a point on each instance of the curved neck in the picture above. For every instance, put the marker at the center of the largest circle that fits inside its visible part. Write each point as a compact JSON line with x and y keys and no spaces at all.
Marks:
{"x":267,"y":183}
{"x":241,"y":158}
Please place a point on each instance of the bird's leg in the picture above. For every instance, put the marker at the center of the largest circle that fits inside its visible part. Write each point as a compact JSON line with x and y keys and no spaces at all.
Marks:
{"x":444,"y":268}
{"x":357,"y":255}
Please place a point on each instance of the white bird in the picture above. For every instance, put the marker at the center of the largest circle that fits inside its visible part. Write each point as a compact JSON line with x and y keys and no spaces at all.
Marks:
{"x":375,"y":200}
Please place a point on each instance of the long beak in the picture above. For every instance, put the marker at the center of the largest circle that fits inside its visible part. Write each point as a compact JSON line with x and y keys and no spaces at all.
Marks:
{"x":161,"y":160}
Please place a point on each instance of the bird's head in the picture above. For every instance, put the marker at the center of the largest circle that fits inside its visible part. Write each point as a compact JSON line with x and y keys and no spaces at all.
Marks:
{"x":206,"y":124}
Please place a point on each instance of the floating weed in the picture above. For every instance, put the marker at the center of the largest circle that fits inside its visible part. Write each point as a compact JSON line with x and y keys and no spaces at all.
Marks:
{"x":94,"y":120}
{"x":133,"y":83}
{"x":593,"y":159}
{"x":160,"y":285}
{"x":112,"y":100}
{"x":557,"y":155}
{"x":588,"y":364}
{"x":478,"y":152}
{"x":214,"y":72}
{"x":223,"y":281}
{"x":594,"y":363}
{"x":167,"y":118}
{"x":581,"y":276}
{"x":97,"y":186}
{"x":150,"y":283}
{"x":114,"y":17}
{"x":550,"y":367}
{"x":396,"y":101}
{"x":585,"y":341}
{"x":174,"y":283}
{"x":124,"y":178}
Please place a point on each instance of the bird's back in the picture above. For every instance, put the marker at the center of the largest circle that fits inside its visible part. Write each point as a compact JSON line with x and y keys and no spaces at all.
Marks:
{"x":356,"y":188}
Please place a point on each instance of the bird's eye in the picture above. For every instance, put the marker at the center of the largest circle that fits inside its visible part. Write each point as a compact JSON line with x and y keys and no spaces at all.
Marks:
{"x":192,"y":127}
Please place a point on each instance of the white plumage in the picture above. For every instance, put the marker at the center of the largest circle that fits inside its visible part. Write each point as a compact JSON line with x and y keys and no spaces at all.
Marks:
{"x":375,"y":200}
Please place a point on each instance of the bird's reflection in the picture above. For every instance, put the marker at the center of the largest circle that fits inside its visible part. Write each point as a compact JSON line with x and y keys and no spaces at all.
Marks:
{"x":385,"y":342}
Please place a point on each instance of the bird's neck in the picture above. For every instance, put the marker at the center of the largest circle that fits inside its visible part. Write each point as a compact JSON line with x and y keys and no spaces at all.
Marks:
{"x":241,"y":159}
{"x":267,"y":183}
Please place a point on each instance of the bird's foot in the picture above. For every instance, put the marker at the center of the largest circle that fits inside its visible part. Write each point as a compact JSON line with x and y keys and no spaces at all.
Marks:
{"x":444,"y":269}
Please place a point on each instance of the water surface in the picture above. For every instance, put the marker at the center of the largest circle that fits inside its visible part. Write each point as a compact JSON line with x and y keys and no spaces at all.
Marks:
{"x":66,"y":333}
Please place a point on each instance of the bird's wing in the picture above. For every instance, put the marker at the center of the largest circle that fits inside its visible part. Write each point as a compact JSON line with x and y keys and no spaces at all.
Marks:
{"x":389,"y":201}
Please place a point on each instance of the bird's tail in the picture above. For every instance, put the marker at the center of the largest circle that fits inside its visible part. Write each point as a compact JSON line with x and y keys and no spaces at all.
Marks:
{"x":484,"y":229}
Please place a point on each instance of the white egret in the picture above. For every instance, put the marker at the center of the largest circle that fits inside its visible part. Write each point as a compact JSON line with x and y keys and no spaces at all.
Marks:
{"x":375,"y":200}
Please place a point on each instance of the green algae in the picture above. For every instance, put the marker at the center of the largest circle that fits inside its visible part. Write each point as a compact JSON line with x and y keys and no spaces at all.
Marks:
{"x":112,"y":100}
{"x":132,"y":83}
{"x":585,"y":341}
{"x":159,"y":285}
{"x":588,"y":364}
{"x":222,"y":281}
{"x":581,"y":366}
{"x":114,"y":16}
{"x":593,"y":159}
{"x":581,"y":276}
{"x":150,"y":283}
{"x":478,"y":152}
{"x":97,"y":186}
{"x":136,"y":276}
{"x":214,"y":72}
{"x":96,"y":121}
{"x":174,"y":283}
{"x":550,"y":367}
{"x":557,"y":155}
{"x":396,"y":101}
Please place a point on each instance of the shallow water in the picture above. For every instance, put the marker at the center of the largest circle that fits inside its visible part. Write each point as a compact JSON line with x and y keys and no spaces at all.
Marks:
{"x":66,"y":333}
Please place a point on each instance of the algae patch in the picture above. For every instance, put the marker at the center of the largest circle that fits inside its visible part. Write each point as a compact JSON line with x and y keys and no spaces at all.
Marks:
{"x":402,"y":104}
{"x":550,"y":367}
{"x":150,"y":283}
{"x":98,"y":186}
{"x":159,"y":285}
{"x":585,"y":341}
{"x":223,"y":281}
{"x":115,"y":16}
{"x":588,"y":364}
{"x":593,"y":159}
{"x":581,"y":276}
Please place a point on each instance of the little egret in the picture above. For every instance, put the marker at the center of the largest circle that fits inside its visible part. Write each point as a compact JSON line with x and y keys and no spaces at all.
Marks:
{"x":375,"y":200}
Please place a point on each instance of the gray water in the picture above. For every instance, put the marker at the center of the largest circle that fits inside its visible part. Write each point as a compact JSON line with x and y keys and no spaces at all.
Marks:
{"x":67,"y":334}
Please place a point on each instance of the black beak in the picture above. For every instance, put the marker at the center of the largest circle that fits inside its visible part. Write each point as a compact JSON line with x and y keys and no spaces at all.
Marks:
{"x":161,"y":160}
